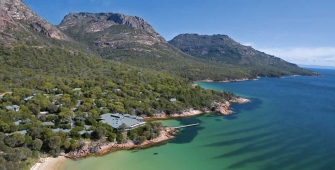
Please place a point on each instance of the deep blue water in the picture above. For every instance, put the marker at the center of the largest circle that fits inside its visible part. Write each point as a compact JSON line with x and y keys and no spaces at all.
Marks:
{"x":300,"y":111}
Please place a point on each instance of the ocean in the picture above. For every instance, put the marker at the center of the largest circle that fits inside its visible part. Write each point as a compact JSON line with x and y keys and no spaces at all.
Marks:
{"x":289,"y":124}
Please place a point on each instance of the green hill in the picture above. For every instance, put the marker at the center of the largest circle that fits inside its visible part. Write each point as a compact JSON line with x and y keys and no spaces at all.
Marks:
{"x":60,"y":83}
{"x":224,"y":50}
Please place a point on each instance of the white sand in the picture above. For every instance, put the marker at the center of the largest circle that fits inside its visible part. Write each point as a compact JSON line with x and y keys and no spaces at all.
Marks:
{"x":50,"y":163}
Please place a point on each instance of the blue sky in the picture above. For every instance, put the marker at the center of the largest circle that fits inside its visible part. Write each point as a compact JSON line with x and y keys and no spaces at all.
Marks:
{"x":299,"y":31}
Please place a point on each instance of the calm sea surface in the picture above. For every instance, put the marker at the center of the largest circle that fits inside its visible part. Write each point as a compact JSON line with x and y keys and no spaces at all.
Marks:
{"x":290,"y":124}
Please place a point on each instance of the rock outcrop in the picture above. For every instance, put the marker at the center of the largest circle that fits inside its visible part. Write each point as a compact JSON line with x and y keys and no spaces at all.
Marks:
{"x":16,"y":17}
{"x":222,"y":108}
{"x":135,"y":29}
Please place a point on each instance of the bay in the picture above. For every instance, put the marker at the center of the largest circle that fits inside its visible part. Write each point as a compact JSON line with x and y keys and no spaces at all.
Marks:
{"x":289,"y":124}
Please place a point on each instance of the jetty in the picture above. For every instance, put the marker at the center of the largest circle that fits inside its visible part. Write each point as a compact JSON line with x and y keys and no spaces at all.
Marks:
{"x":184,"y":126}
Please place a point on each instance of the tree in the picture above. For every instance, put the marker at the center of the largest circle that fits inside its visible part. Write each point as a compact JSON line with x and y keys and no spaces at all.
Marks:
{"x":66,"y":144}
{"x":47,"y":133}
{"x":66,"y":99}
{"x":119,"y":138}
{"x":35,"y":132}
{"x":141,"y":139}
{"x":52,"y":108}
{"x":66,"y":114}
{"x":37,"y":144}
{"x":99,"y":132}
{"x":75,"y":132}
{"x":15,"y":140}
{"x":2,"y":136}
{"x":111,"y":137}
{"x":54,"y":144}
{"x":4,"y":127}
{"x":28,"y":140}
{"x":123,"y":127}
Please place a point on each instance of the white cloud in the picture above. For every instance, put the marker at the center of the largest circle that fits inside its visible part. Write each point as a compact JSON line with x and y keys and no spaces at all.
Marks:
{"x":324,"y":56}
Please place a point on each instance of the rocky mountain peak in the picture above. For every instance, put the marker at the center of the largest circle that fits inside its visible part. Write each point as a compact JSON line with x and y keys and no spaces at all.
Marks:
{"x":16,"y":16}
{"x":95,"y":22}
{"x":223,"y":49}
{"x":207,"y":39}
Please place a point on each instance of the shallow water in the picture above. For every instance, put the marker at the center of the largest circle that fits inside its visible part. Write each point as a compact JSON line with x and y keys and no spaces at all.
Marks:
{"x":288,"y":125}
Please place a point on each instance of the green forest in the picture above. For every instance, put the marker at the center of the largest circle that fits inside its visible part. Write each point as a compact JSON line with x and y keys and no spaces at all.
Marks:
{"x":75,"y":88}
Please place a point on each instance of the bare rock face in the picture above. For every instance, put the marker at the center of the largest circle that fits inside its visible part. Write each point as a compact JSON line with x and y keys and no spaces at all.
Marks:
{"x":222,"y":108}
{"x":78,"y":24}
{"x":16,"y":16}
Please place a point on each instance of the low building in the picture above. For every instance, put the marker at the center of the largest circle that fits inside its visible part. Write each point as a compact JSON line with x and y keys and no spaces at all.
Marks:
{"x":28,"y":98}
{"x":23,"y":132}
{"x":18,"y":122}
{"x":173,"y":100}
{"x":44,"y":113}
{"x":13,"y":107}
{"x":59,"y":129}
{"x":59,"y":95}
{"x":116,"y":90}
{"x":116,"y":120}
{"x":48,"y":124}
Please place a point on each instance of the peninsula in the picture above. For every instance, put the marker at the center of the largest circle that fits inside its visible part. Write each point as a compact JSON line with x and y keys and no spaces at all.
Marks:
{"x":60,"y":82}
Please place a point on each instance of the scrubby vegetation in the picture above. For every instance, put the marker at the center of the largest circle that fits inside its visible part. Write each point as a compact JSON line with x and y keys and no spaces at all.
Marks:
{"x":62,"y":93}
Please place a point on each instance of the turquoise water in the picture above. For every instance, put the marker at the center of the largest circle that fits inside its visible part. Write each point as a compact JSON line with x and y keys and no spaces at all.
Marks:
{"x":290,"y":124}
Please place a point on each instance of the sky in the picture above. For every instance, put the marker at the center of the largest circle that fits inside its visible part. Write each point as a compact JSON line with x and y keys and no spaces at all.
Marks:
{"x":298,"y":31}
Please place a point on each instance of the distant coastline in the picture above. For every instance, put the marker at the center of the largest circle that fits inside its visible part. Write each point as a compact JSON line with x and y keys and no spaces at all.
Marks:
{"x":317,"y":67}
{"x":228,"y":81}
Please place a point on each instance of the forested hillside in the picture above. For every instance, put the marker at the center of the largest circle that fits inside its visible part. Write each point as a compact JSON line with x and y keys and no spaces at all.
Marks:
{"x":54,"y":84}
{"x":76,"y":88}
{"x":225,"y":51}
{"x":130,"y":40}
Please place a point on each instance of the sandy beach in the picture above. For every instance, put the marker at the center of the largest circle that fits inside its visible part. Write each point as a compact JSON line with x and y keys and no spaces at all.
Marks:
{"x":166,"y":134}
{"x":49,"y":163}
{"x":57,"y":163}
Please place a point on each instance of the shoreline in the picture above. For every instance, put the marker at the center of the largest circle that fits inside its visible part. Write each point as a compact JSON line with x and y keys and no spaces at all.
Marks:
{"x":254,"y":79}
{"x":51,"y":163}
{"x":223,"y":109}
{"x":166,"y":134}
{"x":229,"y":81}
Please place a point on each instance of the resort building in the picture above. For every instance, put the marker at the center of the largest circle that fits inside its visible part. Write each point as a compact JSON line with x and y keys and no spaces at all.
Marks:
{"x":28,"y":98}
{"x":13,"y":107}
{"x":116,"y":120}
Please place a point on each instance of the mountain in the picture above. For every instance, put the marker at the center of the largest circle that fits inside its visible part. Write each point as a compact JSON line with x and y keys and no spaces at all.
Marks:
{"x":84,"y":68}
{"x":79,"y":24}
{"x":19,"y":23}
{"x":131,"y":40}
{"x":223,"y":49}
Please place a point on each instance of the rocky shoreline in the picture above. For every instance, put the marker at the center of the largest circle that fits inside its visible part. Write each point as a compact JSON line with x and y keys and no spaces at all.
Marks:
{"x":102,"y":147}
{"x":227,"y":81}
{"x":106,"y":147}
{"x":221,"y":108}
